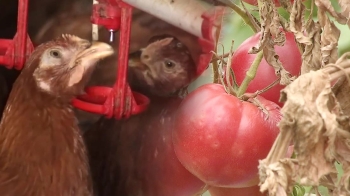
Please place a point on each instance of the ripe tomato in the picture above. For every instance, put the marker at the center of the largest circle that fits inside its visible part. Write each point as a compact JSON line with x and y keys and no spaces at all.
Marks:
{"x":220,"y":138}
{"x":255,"y":2}
{"x":220,"y":191}
{"x":288,"y":54}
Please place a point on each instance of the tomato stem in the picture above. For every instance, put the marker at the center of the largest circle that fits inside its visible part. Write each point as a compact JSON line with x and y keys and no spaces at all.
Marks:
{"x":250,"y":75}
{"x":240,"y":12}
{"x":215,"y":63}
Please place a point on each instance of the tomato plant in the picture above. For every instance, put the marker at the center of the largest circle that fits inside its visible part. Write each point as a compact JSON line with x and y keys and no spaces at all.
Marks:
{"x":220,"y":138}
{"x":288,"y":54}
{"x":220,"y":191}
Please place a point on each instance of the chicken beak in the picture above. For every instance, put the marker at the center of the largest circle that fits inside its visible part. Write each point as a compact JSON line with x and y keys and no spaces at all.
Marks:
{"x":94,"y":53}
{"x":135,"y":61}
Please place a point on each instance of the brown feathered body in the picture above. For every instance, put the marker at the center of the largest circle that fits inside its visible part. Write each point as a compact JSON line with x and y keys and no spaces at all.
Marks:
{"x":41,"y":149}
{"x":122,"y":153}
{"x":42,"y":152}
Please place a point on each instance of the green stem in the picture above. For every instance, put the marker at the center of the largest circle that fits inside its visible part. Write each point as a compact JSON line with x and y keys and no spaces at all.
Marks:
{"x":215,"y":63}
{"x":250,"y":75}
{"x":240,"y":12}
{"x":215,"y":72}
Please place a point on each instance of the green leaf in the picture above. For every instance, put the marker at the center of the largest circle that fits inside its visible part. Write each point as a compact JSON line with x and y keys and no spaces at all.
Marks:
{"x":298,"y":190}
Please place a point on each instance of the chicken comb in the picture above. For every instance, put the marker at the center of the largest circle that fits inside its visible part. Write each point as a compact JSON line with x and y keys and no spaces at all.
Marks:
{"x":159,"y":37}
{"x":162,"y":42}
{"x":70,"y":37}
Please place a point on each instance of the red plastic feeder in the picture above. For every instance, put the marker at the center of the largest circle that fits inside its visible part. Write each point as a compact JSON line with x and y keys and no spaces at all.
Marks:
{"x":120,"y":101}
{"x":14,"y":52}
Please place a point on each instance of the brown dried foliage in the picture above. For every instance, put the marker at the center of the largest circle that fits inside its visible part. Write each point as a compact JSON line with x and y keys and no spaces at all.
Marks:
{"x":272,"y":34}
{"x":315,"y":114}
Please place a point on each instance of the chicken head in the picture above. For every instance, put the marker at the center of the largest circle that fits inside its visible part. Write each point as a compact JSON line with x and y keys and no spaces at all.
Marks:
{"x":67,"y":63}
{"x":163,"y":67}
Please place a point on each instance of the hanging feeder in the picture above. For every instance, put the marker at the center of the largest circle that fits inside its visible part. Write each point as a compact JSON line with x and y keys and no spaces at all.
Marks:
{"x":14,"y":52}
{"x":192,"y":16}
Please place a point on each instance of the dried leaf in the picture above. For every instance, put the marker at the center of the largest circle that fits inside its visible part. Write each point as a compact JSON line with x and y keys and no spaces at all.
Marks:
{"x":308,"y":101}
{"x":326,"y":5}
{"x":297,"y":25}
{"x":271,"y":34}
{"x":286,"y":4}
{"x":311,"y":57}
{"x":342,"y":95}
{"x":308,"y":36}
{"x":274,"y":177}
{"x":345,"y":7}
{"x":329,"y":39}
{"x":313,"y":119}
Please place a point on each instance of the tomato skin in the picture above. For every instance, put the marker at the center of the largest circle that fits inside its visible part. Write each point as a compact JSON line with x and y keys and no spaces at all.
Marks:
{"x":220,"y":138}
{"x":219,"y":191}
{"x":289,"y":55}
{"x":255,"y":2}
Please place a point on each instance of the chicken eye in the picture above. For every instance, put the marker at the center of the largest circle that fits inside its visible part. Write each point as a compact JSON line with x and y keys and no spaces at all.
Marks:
{"x":169,"y":64}
{"x":55,"y":53}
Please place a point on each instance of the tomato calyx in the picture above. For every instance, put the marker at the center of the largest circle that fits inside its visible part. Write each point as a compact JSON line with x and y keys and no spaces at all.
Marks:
{"x":230,"y":84}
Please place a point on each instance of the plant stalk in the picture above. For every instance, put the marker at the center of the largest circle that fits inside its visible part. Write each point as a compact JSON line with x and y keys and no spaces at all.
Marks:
{"x":240,"y":12}
{"x":250,"y":75}
{"x":215,"y":64}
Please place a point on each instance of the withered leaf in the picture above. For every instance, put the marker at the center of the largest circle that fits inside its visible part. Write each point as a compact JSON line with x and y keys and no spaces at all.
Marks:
{"x":326,"y":5}
{"x":311,"y":57}
{"x":329,"y":39}
{"x":271,"y":34}
{"x":345,"y":7}
{"x":312,"y":118}
{"x":308,"y":36}
{"x":297,"y":25}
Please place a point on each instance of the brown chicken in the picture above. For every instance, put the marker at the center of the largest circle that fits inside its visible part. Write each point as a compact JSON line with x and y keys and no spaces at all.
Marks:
{"x":115,"y":147}
{"x":162,"y":68}
{"x":42,"y":152}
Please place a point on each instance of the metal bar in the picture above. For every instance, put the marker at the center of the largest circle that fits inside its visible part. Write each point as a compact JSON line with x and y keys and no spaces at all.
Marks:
{"x":94,"y":26}
{"x":184,"y":14}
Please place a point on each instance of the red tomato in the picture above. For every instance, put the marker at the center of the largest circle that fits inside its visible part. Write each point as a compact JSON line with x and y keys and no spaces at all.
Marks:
{"x":289,"y":55}
{"x":255,"y":2}
{"x":248,"y":191}
{"x":220,"y":138}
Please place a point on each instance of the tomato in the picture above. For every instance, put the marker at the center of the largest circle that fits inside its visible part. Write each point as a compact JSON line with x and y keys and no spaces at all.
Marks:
{"x":220,"y":138}
{"x":289,"y":55}
{"x":219,"y":191}
{"x":255,"y":2}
